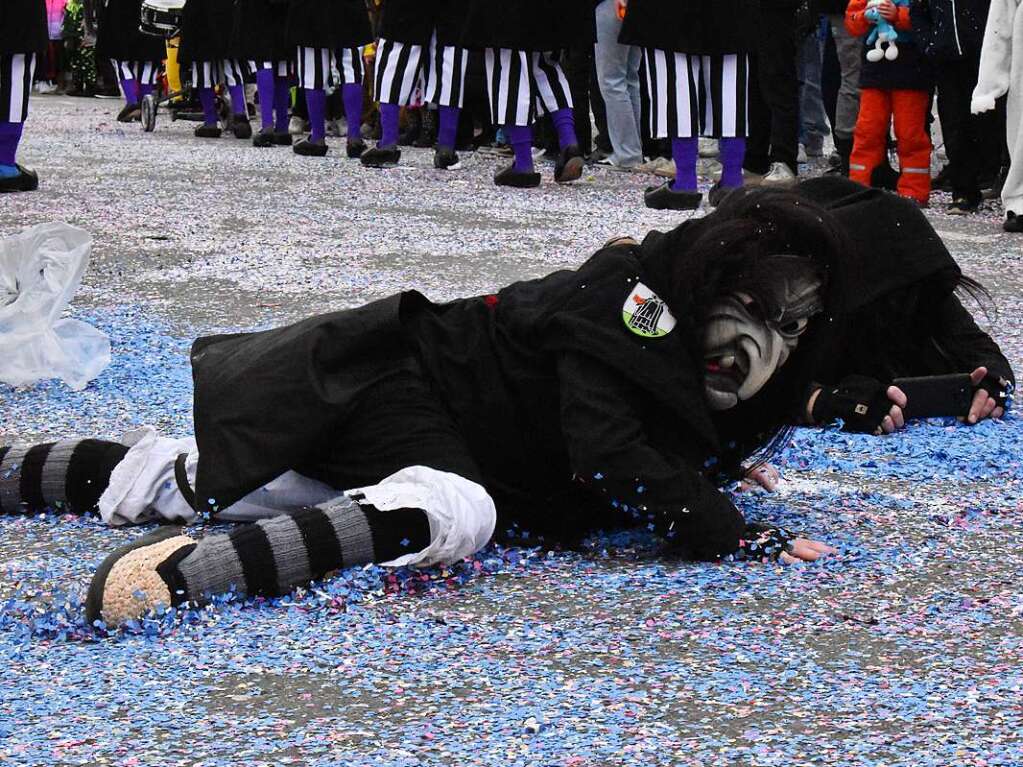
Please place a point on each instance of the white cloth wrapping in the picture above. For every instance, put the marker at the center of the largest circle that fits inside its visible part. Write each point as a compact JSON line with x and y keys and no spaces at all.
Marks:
{"x":40,"y":271}
{"x":143,"y":488}
{"x":1001,"y":73}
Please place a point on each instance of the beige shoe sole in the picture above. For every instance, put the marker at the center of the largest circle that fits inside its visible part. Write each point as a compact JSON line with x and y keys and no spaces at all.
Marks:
{"x":127,"y":585}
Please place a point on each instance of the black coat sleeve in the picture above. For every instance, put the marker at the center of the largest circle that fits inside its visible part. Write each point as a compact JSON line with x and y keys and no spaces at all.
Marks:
{"x":612,"y":453}
{"x":964,"y":345}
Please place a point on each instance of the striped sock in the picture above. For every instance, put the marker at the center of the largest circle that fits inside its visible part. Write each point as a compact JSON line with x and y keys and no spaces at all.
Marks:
{"x":63,"y":476}
{"x":274,"y":556}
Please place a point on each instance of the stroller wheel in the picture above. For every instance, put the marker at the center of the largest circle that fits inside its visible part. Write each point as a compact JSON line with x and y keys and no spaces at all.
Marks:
{"x":149,"y":107}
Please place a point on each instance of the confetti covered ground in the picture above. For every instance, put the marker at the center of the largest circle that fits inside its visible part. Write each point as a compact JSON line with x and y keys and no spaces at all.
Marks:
{"x":904,"y":649}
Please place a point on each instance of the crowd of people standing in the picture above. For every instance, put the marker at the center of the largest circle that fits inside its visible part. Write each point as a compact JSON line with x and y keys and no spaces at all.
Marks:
{"x":766,"y":80}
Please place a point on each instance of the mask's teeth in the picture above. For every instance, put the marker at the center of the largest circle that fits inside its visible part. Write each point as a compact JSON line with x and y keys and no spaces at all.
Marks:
{"x":727,"y":361}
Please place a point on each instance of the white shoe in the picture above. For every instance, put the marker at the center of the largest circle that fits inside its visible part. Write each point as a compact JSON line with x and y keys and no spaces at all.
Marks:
{"x":651,"y":165}
{"x":749,"y":178}
{"x":801,"y":154}
{"x":666,"y":169}
{"x":780,"y":175}
{"x":297,"y":126}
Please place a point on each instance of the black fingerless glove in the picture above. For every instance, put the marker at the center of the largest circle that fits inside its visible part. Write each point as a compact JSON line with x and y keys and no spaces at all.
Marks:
{"x":861,"y":403}
{"x":760,"y":543}
{"x":998,"y":388}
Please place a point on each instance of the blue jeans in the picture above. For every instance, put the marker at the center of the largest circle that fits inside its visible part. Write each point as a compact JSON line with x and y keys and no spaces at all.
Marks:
{"x":618,"y":77}
{"x":813,"y":122}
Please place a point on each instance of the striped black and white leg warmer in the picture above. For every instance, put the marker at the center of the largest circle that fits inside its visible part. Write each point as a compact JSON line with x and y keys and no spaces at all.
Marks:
{"x":726,"y":95}
{"x":68,"y":476}
{"x":444,"y":72}
{"x":552,"y":88}
{"x":510,"y":86}
{"x":316,"y":68}
{"x":274,"y":556}
{"x":16,"y":72}
{"x":398,"y":69}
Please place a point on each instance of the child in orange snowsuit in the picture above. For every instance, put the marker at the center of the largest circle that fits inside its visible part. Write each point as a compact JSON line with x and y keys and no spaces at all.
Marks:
{"x":899,"y":88}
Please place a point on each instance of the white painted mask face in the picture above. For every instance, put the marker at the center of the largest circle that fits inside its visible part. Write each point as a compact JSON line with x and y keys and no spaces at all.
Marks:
{"x":746,"y":339}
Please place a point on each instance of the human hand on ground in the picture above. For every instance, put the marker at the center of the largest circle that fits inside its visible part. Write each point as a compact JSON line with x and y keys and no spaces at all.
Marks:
{"x":984,"y":405}
{"x":765,"y":476}
{"x":805,"y":550}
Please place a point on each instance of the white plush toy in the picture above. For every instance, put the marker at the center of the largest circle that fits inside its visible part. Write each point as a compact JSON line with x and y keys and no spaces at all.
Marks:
{"x":882,"y":33}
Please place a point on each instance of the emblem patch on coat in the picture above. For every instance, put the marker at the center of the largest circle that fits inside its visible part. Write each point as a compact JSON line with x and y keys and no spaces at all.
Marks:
{"x":645,"y":314}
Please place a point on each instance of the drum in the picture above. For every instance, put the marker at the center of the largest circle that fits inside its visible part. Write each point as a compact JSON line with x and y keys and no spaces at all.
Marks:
{"x":162,"y":18}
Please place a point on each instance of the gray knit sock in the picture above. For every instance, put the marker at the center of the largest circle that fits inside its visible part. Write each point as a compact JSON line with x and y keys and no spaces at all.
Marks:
{"x":274,"y":556}
{"x":63,"y":476}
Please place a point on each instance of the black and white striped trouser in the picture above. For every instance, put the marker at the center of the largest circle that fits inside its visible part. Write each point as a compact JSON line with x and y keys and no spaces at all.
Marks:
{"x":525,"y":84}
{"x":322,"y":68}
{"x":210,"y":74}
{"x":692,"y":95}
{"x":16,"y":72}
{"x":439,"y":69}
{"x":144,"y":72}
{"x":281,"y":68}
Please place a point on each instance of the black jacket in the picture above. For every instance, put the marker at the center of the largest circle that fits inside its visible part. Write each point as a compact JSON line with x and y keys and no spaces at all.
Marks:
{"x":414,"y":21}
{"x":831,"y":6}
{"x":23,"y":26}
{"x":556,"y":398}
{"x":118,"y":36}
{"x":530,"y":25}
{"x":906,"y":319}
{"x":328,"y":24}
{"x":259,"y":31}
{"x":206,"y":31}
{"x":692,"y":26}
{"x":949,"y":30}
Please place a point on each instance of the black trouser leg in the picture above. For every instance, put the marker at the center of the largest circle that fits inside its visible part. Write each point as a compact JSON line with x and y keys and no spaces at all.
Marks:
{"x":956,"y":80}
{"x":779,"y":82}
{"x":758,"y":144}
{"x":578,"y":63}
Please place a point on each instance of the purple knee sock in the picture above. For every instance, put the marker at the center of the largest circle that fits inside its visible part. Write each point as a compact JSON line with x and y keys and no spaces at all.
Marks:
{"x":447,"y":133}
{"x":521,"y":139}
{"x":10,"y":136}
{"x":282,"y":102}
{"x":145,"y":89}
{"x":265,"y":87}
{"x":731,"y":152}
{"x":238,"y":105}
{"x":209,"y":105}
{"x":564,"y":123}
{"x":316,"y":100}
{"x":685,"y":152}
{"x":389,"y":114}
{"x":351,"y":93}
{"x":131,"y":91}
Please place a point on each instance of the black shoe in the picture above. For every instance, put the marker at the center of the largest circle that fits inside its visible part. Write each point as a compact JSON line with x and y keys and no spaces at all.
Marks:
{"x":240,"y":126}
{"x":26,"y":181}
{"x":569,"y":166}
{"x":962,"y":205}
{"x":665,"y":198}
{"x":511,"y":177}
{"x":282,"y":138}
{"x":718,"y":193}
{"x":355,"y":148}
{"x":132,"y":113}
{"x":1013,"y":223}
{"x":208,"y":131}
{"x":446,"y":159}
{"x":264,"y":138}
{"x":309,"y":148}
{"x":381,"y":157}
{"x":884,"y":177}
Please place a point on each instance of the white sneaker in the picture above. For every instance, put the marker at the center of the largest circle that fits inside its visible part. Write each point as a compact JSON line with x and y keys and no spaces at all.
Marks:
{"x":297,"y":126}
{"x":749,"y":178}
{"x":780,"y":175}
{"x":801,"y":155}
{"x":665,"y":169}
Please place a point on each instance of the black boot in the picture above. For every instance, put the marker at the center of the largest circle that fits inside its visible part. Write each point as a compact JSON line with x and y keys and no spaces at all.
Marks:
{"x":665,"y":198}
{"x":355,"y":147}
{"x":265,"y":138}
{"x":446,"y":159}
{"x":511,"y":177}
{"x":130,"y":114}
{"x":308,"y":148}
{"x":380,"y":157}
{"x":413,"y":126}
{"x":208,"y":131}
{"x":1013,"y":223}
{"x":282,"y":138}
{"x":25,"y":181}
{"x":569,"y":165}
{"x":844,"y":147}
{"x":240,"y":126}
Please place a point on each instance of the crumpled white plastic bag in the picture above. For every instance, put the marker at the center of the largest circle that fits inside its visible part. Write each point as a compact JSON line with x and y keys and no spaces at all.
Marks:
{"x":40,"y":271}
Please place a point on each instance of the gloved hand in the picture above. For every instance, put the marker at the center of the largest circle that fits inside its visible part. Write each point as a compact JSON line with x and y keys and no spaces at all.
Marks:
{"x":861,"y":402}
